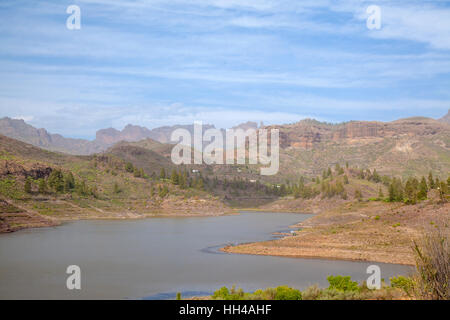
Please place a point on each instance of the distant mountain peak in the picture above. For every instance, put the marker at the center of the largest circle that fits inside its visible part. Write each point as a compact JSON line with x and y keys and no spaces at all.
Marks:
{"x":247,"y":125}
{"x":18,"y":129}
{"x":446,"y":118}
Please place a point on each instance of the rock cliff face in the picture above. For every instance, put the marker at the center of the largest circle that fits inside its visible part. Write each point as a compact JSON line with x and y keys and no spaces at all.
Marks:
{"x":304,"y":134}
{"x":129,"y":133}
{"x":18,"y":129}
{"x":308,"y":133}
{"x":105,"y":138}
{"x":35,"y":171}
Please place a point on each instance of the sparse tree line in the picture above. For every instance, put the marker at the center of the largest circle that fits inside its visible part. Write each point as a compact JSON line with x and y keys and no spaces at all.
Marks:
{"x":332,"y":183}
{"x":412,"y":190}
{"x":235,"y":186}
{"x":59,"y":182}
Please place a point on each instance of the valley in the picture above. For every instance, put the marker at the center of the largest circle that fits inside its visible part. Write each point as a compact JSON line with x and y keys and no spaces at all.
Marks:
{"x":372,"y":187}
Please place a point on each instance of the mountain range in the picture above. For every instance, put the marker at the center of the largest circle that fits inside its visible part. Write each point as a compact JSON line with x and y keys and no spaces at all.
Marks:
{"x":406,"y":146}
{"x":105,"y":138}
{"x":128,"y":178}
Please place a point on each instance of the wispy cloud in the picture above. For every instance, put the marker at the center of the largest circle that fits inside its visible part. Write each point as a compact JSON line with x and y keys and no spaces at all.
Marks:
{"x":159,"y":62}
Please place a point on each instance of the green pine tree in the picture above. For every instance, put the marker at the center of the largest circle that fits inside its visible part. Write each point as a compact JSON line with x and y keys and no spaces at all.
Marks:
{"x":410,"y":192}
{"x":346,"y":180}
{"x":391,"y":192}
{"x":69,"y":182}
{"x":358,"y":194}
{"x":116,"y":188}
{"x":174,"y":177}
{"x":27,"y":186}
{"x":56,"y":181}
{"x":431,"y":181}
{"x":380,"y":194}
{"x":423,"y":189}
{"x":42,"y":186}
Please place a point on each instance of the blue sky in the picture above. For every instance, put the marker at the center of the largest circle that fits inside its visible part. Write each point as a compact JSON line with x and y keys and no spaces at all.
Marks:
{"x":164,"y":62}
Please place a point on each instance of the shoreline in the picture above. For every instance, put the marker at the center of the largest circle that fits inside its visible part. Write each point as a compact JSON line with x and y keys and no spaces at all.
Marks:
{"x":276,"y":253}
{"x":361,"y":231}
{"x":317,"y":252}
{"x":26,"y":219}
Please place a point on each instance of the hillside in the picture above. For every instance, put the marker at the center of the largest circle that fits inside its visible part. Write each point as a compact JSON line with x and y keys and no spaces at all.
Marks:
{"x":361,"y":214}
{"x":105,"y":138}
{"x":446,"y":118}
{"x":39,"y":188}
{"x":403,"y":147}
{"x":19,"y":130}
{"x":358,"y":216}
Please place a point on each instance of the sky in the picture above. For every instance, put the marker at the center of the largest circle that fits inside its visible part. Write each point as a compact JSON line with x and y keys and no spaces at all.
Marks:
{"x":163,"y":62}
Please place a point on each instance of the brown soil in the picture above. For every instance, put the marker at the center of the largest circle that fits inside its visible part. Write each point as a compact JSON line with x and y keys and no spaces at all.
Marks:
{"x":13,"y":218}
{"x":367,"y":231}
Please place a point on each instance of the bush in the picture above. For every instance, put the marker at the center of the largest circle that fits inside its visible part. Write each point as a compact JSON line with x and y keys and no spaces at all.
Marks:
{"x":279,"y":293}
{"x":42,"y":186}
{"x":342,"y":283}
{"x":286,"y":293}
{"x":27,"y":186}
{"x":312,"y":293}
{"x":129,"y":167}
{"x":221,"y":294}
{"x":406,"y":284}
{"x":433,"y":264}
{"x":334,"y":294}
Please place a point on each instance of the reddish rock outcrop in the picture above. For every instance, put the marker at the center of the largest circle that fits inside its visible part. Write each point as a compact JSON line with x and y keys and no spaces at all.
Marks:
{"x":35,"y":171}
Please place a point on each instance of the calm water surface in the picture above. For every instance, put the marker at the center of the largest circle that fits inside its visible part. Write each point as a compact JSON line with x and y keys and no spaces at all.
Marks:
{"x":157,"y":257}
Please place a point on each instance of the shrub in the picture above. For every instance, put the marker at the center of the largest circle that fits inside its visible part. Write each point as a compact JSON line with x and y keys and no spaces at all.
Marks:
{"x":10,"y":189}
{"x":116,"y":188}
{"x":312,"y":293}
{"x":27,"y":186}
{"x":286,"y":293}
{"x":129,"y":167}
{"x":433,"y":264}
{"x":279,"y":293}
{"x":334,"y":294}
{"x":42,"y":186}
{"x":342,"y":283}
{"x":221,"y":294}
{"x":406,"y":284}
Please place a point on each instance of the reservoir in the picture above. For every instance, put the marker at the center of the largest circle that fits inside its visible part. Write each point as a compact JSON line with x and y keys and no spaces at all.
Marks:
{"x":155,"y":258}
